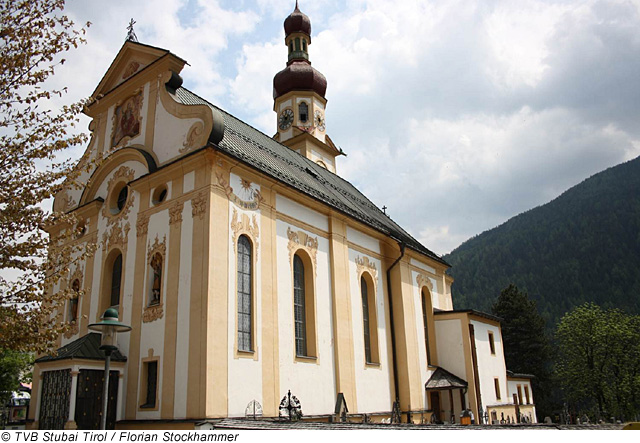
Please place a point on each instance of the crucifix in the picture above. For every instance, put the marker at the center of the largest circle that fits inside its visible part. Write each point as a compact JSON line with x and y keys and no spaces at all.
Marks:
{"x":131,"y":35}
{"x":384,"y":210}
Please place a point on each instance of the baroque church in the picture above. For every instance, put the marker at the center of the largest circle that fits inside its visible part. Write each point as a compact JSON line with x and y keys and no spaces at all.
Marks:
{"x":252,"y":275}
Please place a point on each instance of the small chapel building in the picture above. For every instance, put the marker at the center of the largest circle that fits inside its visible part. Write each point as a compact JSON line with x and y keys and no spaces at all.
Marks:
{"x":249,"y":269}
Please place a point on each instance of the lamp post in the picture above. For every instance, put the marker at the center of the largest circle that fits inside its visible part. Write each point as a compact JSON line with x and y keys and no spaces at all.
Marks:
{"x":108,"y":327}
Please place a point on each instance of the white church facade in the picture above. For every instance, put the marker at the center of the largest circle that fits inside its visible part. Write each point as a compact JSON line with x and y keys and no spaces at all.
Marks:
{"x":248,"y":269}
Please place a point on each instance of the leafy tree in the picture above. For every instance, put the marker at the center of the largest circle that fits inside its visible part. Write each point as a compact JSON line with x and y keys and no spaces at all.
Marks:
{"x":33,"y":167}
{"x":14,"y":369}
{"x":526,"y":346}
{"x":599,"y":361}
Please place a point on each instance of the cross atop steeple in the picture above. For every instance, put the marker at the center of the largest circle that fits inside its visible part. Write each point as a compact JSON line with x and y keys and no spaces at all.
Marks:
{"x":131,"y":35}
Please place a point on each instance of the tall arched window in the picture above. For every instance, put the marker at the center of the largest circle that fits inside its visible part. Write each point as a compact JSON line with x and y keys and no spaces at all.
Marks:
{"x":299,"y":311}
{"x":426,"y":305}
{"x":365,"y":319}
{"x":303,"y":110}
{"x":369,"y":319}
{"x":116,"y":281}
{"x":244,"y":283}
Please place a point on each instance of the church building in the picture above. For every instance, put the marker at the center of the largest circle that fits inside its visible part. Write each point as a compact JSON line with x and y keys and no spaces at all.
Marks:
{"x":251,"y":273}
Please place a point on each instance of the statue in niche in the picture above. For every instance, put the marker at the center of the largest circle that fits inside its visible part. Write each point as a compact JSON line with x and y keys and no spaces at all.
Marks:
{"x":156,"y":266}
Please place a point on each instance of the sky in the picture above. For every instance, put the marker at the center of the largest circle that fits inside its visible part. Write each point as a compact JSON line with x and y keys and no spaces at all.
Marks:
{"x":455,"y":115}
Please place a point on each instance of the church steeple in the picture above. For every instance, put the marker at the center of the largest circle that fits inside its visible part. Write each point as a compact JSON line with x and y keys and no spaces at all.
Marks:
{"x":299,"y":96}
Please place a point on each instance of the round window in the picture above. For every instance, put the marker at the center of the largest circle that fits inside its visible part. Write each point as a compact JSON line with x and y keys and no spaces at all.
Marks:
{"x":118,"y":199}
{"x":159,"y":194}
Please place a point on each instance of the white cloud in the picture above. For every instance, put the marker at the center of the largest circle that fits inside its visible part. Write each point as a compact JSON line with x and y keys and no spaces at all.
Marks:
{"x":456,"y":115}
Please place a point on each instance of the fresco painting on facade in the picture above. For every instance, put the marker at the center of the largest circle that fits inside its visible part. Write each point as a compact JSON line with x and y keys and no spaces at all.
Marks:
{"x":285,"y":284}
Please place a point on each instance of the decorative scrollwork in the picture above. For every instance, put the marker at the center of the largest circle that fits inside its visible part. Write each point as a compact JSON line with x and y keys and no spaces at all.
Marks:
{"x":118,"y":235}
{"x":142,"y":225}
{"x":194,"y":133}
{"x":244,"y":226}
{"x":300,"y":239}
{"x":175,"y":213}
{"x":423,"y":280}
{"x":199,"y":205}
{"x":290,"y":407}
{"x":152,"y":313}
{"x":157,"y":246}
{"x":365,"y":264}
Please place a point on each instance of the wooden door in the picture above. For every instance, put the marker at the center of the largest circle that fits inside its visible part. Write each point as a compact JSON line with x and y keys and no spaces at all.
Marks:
{"x":89,"y":399}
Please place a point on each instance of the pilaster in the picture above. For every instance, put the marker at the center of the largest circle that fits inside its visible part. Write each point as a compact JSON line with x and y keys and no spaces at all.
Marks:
{"x":342,"y":318}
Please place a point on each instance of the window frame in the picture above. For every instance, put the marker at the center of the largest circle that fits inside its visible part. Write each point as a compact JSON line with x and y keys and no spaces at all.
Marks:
{"x":368,"y":290}
{"x":306,"y":289}
{"x":251,"y":296}
{"x":492,"y":342}
{"x":143,"y":403}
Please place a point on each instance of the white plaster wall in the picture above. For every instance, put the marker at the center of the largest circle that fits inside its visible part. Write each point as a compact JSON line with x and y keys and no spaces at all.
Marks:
{"x":419,"y":264}
{"x":449,"y":340}
{"x":299,"y":212}
{"x":245,"y":374}
{"x":184,"y":303}
{"x":367,"y":376}
{"x":152,"y":333}
{"x":490,"y":366}
{"x":363,"y":240}
{"x":312,"y":382}
{"x":188,"y":182}
{"x":170,"y":134}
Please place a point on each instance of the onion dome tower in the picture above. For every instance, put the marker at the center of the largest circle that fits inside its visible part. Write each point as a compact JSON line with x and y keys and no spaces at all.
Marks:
{"x":299,"y":97}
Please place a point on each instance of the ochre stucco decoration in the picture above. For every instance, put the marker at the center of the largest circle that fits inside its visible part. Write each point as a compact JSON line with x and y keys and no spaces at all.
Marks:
{"x":364,"y":264}
{"x":152,"y":313}
{"x":300,"y":239}
{"x":142,"y":225}
{"x":117,"y":235}
{"x":199,"y":205}
{"x":175,"y":213}
{"x":157,"y":246}
{"x":244,"y":226}
{"x":127,"y":120}
{"x":192,"y":137}
{"x":66,"y":201}
{"x":423,"y":280}
{"x":131,"y":69}
{"x":252,"y":198}
{"x":125,"y":174}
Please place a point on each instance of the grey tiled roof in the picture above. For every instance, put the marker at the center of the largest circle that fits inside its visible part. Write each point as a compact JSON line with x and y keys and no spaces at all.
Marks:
{"x":86,"y":347}
{"x":443,"y":379}
{"x":263,"y":153}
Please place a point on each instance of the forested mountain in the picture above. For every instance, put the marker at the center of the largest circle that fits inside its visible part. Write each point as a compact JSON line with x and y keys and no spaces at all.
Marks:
{"x":582,"y":246}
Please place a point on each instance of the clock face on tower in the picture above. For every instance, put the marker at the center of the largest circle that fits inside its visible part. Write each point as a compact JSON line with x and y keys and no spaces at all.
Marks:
{"x":319,"y":120}
{"x":285,"y":119}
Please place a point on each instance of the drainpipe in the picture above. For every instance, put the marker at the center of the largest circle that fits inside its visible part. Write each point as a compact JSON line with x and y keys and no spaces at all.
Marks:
{"x":393,"y":329}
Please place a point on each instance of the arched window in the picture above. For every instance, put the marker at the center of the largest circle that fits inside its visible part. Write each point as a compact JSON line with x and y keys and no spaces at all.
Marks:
{"x":116,"y":281}
{"x":304,"y":45}
{"x":426,"y":306}
{"x":73,"y":301}
{"x":369,"y":319}
{"x":303,"y":111}
{"x":245,"y":284}
{"x":156,"y":279}
{"x":290,"y":46}
{"x":299,"y":312}
{"x":304,"y":315}
{"x":365,"y":319}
